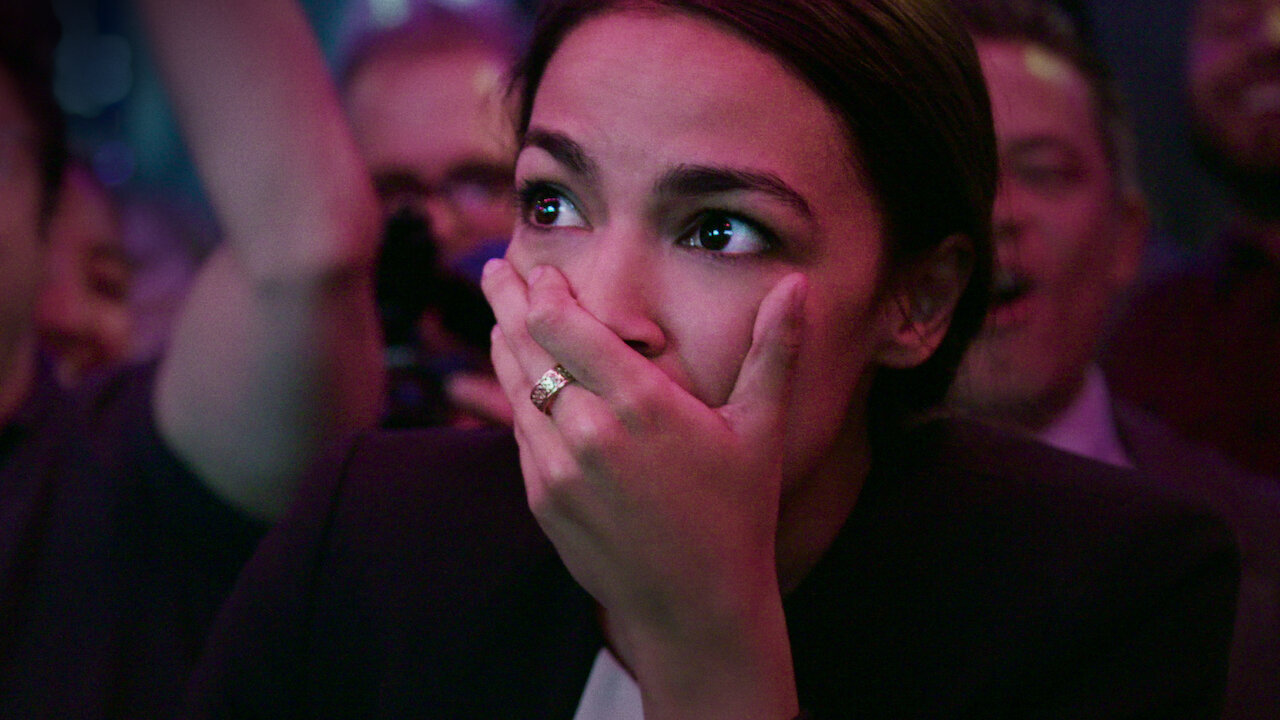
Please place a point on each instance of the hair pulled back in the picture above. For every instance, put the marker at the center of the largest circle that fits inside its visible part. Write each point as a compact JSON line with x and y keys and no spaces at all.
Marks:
{"x":903,"y":77}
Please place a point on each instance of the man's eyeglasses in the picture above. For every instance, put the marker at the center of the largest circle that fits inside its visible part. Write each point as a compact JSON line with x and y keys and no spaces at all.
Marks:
{"x":467,"y":187}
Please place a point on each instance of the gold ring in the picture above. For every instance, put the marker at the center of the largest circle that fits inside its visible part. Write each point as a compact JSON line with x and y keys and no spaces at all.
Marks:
{"x":551,"y":382}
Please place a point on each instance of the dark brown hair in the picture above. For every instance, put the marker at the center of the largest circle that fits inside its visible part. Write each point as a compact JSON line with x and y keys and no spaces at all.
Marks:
{"x":903,"y":77}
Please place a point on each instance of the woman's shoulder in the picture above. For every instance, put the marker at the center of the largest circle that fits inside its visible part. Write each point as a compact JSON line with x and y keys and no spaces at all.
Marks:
{"x":440,"y":513}
{"x":1019,"y":571}
{"x":1001,"y":494}
{"x":407,"y":480}
{"x":392,"y":495}
{"x":434,"y":450}
{"x":408,"y":574}
{"x":966,"y":457}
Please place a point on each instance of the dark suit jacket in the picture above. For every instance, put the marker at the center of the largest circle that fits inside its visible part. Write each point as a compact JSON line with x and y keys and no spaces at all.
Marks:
{"x":979,"y":576}
{"x":1198,"y":345}
{"x":114,"y":558}
{"x":1251,"y":505}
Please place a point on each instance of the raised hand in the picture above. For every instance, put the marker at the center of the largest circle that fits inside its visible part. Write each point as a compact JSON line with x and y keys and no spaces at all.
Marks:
{"x":276,"y":350}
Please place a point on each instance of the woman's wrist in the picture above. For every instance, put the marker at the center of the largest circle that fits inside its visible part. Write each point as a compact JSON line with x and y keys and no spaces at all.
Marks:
{"x":740,"y":672}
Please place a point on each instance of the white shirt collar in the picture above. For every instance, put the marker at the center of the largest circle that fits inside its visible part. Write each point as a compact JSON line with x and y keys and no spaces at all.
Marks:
{"x":1087,"y":427}
{"x":611,"y":693}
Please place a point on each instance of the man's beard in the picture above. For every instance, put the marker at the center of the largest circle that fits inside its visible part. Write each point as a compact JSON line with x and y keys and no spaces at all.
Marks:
{"x":1255,"y":188}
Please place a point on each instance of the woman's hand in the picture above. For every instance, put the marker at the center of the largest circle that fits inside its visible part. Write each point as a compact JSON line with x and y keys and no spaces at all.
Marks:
{"x":663,"y":508}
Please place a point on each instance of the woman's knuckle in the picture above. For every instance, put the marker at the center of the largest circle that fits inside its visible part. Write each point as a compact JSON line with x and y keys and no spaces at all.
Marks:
{"x":590,"y":433}
{"x":560,"y":474}
{"x":545,"y":319}
{"x":637,"y":402}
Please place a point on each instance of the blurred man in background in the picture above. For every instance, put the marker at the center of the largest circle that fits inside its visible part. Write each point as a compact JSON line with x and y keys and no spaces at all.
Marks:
{"x":128,"y":507}
{"x":83,"y":313}
{"x":1070,"y":225}
{"x":425,"y":99}
{"x":1201,"y":344}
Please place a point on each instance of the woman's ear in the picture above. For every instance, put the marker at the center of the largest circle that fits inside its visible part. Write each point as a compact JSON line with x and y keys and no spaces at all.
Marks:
{"x":917,"y":308}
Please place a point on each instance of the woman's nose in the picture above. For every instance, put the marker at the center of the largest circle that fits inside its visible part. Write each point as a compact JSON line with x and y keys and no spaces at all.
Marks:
{"x":620,"y":286}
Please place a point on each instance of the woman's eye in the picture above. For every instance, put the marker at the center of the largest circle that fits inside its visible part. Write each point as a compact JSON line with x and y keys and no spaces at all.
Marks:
{"x":724,"y":233}
{"x":545,"y":207}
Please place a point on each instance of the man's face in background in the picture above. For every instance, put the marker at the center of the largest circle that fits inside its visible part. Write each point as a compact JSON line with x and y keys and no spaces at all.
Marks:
{"x":1233,"y":88}
{"x":432,"y":129}
{"x":1067,"y":238}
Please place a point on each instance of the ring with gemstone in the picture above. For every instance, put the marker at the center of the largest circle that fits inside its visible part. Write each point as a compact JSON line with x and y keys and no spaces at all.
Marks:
{"x":551,"y":382}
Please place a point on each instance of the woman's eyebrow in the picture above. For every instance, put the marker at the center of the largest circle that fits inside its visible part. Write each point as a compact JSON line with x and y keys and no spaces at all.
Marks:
{"x":564,"y":149}
{"x":696,"y":180}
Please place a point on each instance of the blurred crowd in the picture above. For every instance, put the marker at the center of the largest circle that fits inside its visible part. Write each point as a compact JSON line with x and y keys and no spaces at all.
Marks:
{"x":170,"y":373}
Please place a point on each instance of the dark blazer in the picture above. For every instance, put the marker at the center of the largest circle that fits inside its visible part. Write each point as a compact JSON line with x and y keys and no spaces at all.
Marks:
{"x":1251,"y":505}
{"x":979,"y":576}
{"x":114,"y":558}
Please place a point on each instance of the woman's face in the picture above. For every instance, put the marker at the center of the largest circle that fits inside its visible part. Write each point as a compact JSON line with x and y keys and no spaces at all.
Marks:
{"x":675,"y":173}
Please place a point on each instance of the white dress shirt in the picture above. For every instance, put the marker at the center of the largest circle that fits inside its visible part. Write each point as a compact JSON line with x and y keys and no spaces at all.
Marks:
{"x":1087,"y":427}
{"x":611,"y":693}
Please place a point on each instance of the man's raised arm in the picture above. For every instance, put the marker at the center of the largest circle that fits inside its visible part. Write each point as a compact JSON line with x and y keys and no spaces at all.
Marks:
{"x":277,"y":349}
